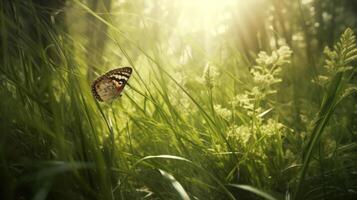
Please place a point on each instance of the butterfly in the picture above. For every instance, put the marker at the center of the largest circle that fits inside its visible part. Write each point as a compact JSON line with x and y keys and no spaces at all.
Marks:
{"x":110,"y":85}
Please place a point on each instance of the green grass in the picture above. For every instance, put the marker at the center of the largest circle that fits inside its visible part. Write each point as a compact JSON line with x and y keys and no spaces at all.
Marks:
{"x":219,"y":123}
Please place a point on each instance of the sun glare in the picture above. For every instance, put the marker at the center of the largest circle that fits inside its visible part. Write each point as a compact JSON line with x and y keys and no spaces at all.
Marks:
{"x":204,"y":14}
{"x":209,"y":7}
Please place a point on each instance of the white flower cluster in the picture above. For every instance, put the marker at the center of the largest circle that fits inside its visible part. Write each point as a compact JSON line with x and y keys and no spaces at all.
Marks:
{"x":240,"y":133}
{"x":223,"y":112}
{"x":278,"y":57}
{"x":266,"y":72}
{"x":264,"y":132}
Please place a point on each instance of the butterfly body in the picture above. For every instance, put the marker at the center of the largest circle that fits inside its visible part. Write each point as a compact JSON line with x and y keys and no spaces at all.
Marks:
{"x":110,"y":85}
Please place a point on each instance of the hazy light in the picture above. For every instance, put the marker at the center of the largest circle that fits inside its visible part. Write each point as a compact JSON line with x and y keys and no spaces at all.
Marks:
{"x":209,"y":6}
{"x":205,"y":14}
{"x":306,"y":1}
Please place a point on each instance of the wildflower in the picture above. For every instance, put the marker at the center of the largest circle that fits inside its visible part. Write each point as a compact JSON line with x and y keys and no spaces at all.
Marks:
{"x":266,"y":72}
{"x":240,"y":134}
{"x":277,"y":58}
{"x":243,"y":100}
{"x":210,"y":74}
{"x":247,"y":101}
{"x":272,"y":127}
{"x":223,"y":112}
{"x":284,"y":54}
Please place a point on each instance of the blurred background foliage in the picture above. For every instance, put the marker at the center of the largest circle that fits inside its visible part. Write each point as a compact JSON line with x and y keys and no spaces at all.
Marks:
{"x":229,"y":99}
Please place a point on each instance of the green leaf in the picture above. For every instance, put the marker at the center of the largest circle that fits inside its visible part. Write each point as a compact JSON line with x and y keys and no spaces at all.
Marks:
{"x":254,"y":190}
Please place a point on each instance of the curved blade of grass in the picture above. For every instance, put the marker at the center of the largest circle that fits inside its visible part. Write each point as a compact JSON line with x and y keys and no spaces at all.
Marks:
{"x":178,"y":187}
{"x":327,"y":108}
{"x":171,"y":157}
{"x":254,"y":190}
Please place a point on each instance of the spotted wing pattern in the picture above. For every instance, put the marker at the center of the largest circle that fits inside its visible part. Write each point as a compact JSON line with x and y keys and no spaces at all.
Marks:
{"x":110,"y":85}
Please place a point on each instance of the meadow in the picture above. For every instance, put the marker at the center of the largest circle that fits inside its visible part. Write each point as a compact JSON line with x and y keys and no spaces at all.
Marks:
{"x":228,"y":99}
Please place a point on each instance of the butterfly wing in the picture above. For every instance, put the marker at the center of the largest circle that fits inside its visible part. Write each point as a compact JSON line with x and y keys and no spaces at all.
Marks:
{"x":110,"y":85}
